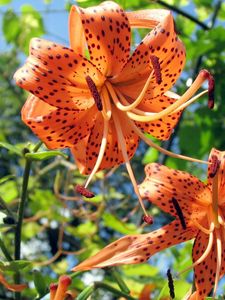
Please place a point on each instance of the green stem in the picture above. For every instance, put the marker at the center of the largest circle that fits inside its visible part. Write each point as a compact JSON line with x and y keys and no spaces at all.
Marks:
{"x":116,"y":275}
{"x":5,"y":251}
{"x":18,"y":230}
{"x":96,"y":285}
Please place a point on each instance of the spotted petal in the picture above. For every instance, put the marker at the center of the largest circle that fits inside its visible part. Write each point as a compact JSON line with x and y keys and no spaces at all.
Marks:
{"x":204,"y":272}
{"x":113,"y":154}
{"x":56,"y":74}
{"x":107,"y":32}
{"x":163,"y":184}
{"x":162,"y":128}
{"x":163,"y":43}
{"x":133,"y":249}
{"x":57,"y":127}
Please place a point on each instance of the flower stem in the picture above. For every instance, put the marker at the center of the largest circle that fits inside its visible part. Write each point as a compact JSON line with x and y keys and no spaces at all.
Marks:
{"x":116,"y":275}
{"x":91,"y":288}
{"x":5,"y":251}
{"x":18,"y":231}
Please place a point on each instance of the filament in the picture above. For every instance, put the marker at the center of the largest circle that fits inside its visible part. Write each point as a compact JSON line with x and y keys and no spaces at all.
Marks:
{"x":101,"y":153}
{"x":107,"y":110}
{"x":218,"y":261}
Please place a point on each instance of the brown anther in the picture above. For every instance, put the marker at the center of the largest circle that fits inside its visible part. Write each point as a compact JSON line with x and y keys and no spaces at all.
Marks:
{"x":53,"y":286}
{"x":179,"y":212}
{"x":211,"y":87}
{"x":156,"y":67}
{"x":170,"y":284}
{"x":214,"y":166}
{"x":148,"y":219}
{"x":83,"y":191}
{"x":94,"y":91}
{"x":65,"y":280}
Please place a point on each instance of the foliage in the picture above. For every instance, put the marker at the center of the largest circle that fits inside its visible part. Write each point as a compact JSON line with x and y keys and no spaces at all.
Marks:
{"x":59,"y":227}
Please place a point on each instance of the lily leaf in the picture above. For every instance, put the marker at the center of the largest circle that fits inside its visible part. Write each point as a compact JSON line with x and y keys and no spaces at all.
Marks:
{"x":45,"y":155}
{"x":11,"y":148}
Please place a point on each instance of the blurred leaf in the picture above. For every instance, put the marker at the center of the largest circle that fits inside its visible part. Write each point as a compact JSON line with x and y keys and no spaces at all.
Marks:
{"x":82,"y":230}
{"x":45,"y":155}
{"x":6,"y":178}
{"x":11,"y":26}
{"x":9,"y":191}
{"x":39,"y":282}
{"x":31,"y":229}
{"x":14,"y":266}
{"x":140,"y":270}
{"x":3,"y":2}
{"x":151,"y":155}
{"x":111,"y":221}
{"x":11,"y":148}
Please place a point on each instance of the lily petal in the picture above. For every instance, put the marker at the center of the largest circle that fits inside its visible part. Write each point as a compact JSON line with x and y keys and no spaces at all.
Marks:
{"x":134,"y":249}
{"x":162,"y":184}
{"x":57,"y":127}
{"x":56,"y":75}
{"x":113,"y":154}
{"x":163,"y":43}
{"x":204,"y":272}
{"x":107,"y":33}
{"x":162,"y":128}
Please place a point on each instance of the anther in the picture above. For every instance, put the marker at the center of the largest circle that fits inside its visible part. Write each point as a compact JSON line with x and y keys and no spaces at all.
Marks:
{"x":170,"y":284}
{"x":94,"y":91}
{"x":214,"y":166}
{"x":84,"y":192}
{"x":211,"y":87}
{"x":179,"y":212}
{"x":148,"y":219}
{"x":156,"y":67}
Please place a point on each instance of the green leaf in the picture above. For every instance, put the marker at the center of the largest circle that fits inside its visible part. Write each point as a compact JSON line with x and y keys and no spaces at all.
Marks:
{"x":14,"y":266}
{"x":82,"y":230}
{"x":45,"y":155}
{"x":4,"y":2}
{"x":151,"y":155}
{"x":140,"y":270}
{"x":6,"y":178}
{"x":8,"y":191}
{"x":125,"y":228}
{"x":39,"y":282}
{"x":11,"y":148}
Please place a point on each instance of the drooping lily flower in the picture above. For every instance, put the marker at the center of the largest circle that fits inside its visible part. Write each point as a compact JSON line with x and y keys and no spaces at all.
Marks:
{"x":199,"y":211}
{"x":102,"y":105}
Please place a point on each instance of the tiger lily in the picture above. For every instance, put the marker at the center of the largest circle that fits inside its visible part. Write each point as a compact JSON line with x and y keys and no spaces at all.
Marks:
{"x":60,"y":291}
{"x":102,"y":105}
{"x":199,"y":211}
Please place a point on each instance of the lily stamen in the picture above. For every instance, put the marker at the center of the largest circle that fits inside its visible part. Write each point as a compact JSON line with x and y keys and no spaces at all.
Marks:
{"x":84,"y":192}
{"x":170,"y":284}
{"x":162,"y":150}
{"x":126,"y":159}
{"x":201,"y":78}
{"x":218,"y":262}
{"x":201,"y":228}
{"x":215,"y":163}
{"x":156,"y":67}
{"x":112,"y":92}
{"x":215,"y":193}
{"x":94,"y":91}
{"x":204,"y":255}
{"x":107,"y":110}
{"x":100,"y":154}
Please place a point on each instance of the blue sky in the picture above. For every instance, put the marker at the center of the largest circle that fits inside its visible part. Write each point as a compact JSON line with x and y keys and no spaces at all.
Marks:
{"x":55,"y":19}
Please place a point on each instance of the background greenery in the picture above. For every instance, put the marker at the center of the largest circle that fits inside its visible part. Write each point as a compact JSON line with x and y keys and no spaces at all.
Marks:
{"x":60,"y":228}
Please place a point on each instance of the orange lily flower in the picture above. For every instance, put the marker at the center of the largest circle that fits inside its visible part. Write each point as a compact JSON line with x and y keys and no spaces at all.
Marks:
{"x":101,"y":106}
{"x":199,"y":211}
{"x":60,"y":291}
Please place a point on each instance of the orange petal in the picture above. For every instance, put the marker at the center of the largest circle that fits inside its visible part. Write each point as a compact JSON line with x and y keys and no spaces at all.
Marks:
{"x":56,"y":74}
{"x":107,"y":33}
{"x":221,"y":157}
{"x":146,"y":292}
{"x":57,"y":128}
{"x":64,"y":282}
{"x":205,"y":271}
{"x":134,"y":249}
{"x":162,"y":128}
{"x":163,"y":43}
{"x":76,"y":31}
{"x":162,"y":184}
{"x":113,"y":154}
{"x":12,"y":287}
